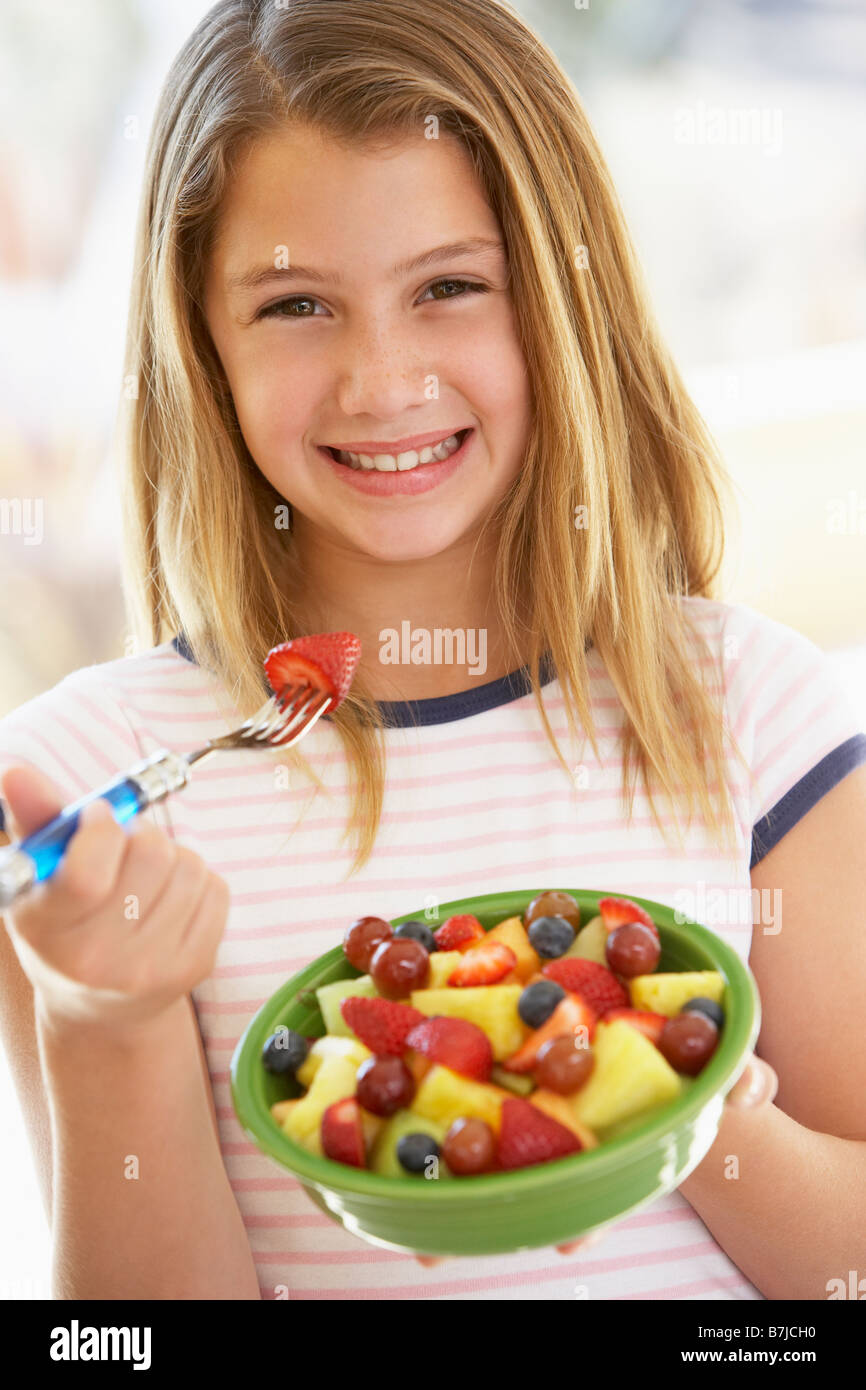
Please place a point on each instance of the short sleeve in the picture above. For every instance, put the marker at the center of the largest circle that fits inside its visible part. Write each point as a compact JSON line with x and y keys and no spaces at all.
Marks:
{"x":795,"y":718}
{"x":75,"y":733}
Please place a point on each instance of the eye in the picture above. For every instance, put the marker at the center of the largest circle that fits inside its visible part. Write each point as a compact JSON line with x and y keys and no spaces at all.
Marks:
{"x":464,"y":286}
{"x":277,"y":310}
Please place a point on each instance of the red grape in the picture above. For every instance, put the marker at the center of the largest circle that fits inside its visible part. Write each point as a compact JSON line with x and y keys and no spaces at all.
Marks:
{"x":469,"y":1146}
{"x":688,"y":1041}
{"x":398,"y":966}
{"x":562,"y":1065}
{"x":384,"y":1084}
{"x":553,"y":903}
{"x":632,"y":949}
{"x":362,"y":938}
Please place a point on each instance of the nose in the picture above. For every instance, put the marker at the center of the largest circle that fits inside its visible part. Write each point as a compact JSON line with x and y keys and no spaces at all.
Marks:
{"x":380,"y":370}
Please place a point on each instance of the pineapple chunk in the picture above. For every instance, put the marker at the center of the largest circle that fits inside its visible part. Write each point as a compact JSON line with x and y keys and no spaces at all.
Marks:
{"x":590,"y":942}
{"x":445,"y":1096}
{"x":493,"y":1008}
{"x":281,"y":1108}
{"x":441,"y":965}
{"x":666,"y":994}
{"x":513,"y":933}
{"x":335,"y":1079}
{"x":560,"y":1108}
{"x":330,"y":996}
{"x":630,"y":1075}
{"x":330,"y":1046}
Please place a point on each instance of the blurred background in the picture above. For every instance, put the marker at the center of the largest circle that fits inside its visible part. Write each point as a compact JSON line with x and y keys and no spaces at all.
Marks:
{"x":736,"y":135}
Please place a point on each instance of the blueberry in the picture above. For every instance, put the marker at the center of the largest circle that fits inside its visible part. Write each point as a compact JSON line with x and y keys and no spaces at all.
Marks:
{"x":418,"y":931}
{"x":284,"y":1051}
{"x":709,"y":1007}
{"x":413,"y":1151}
{"x":537,"y":1002}
{"x":551,"y":936}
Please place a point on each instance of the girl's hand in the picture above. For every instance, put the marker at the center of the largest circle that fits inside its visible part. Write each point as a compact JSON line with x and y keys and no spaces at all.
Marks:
{"x":756,"y":1087}
{"x":128,"y":923}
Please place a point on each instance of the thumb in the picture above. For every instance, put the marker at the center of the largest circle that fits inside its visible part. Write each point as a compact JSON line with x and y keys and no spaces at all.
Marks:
{"x":30,"y":800}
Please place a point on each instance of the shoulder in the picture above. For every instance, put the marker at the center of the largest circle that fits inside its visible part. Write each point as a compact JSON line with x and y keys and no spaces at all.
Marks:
{"x":83,"y":728}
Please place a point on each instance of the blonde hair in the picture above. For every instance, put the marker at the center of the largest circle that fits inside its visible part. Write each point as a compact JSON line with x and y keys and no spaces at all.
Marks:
{"x":614,"y":429}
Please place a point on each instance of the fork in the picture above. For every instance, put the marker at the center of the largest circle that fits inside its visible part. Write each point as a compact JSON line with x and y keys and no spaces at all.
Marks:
{"x":281,"y":721}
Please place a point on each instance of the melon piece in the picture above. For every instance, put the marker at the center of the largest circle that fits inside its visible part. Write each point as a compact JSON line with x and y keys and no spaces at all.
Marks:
{"x":590,"y":942}
{"x":442,"y":963}
{"x":493,"y":1008}
{"x":383,"y":1158}
{"x":445,"y":1096}
{"x":335,"y":1079}
{"x":520,"y":1085}
{"x":330,"y":997}
{"x":330,"y":1046}
{"x":666,"y":993}
{"x":630,"y":1076}
{"x":513,"y":933}
{"x":560,"y":1108}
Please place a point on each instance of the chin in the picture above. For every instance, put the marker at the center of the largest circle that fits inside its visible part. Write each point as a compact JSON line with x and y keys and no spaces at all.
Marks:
{"x":401,"y":543}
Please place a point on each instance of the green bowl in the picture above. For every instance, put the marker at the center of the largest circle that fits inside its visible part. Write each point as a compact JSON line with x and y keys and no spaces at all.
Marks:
{"x":547,"y":1203}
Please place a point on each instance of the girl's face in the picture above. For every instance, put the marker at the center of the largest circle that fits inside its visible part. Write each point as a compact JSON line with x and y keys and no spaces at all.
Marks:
{"x":360,"y":301}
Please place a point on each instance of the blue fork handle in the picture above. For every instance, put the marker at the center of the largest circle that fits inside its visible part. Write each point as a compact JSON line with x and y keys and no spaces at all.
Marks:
{"x":35,"y":858}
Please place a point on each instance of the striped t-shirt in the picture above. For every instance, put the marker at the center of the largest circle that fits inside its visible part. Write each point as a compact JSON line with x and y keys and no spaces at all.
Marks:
{"x":476,"y":802}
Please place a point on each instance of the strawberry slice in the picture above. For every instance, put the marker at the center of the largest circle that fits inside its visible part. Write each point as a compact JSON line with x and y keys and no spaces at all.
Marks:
{"x":570,"y":1014}
{"x":616,"y":912}
{"x":455,"y":1043}
{"x":527,"y":1135}
{"x":649,"y":1023}
{"x":381,"y":1024}
{"x":484,"y":965}
{"x":596,"y":985}
{"x":459,"y":933}
{"x":325,"y":660}
{"x":342,"y":1133}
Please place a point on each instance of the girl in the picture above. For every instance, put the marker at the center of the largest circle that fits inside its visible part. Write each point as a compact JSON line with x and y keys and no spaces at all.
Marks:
{"x":367,"y":231}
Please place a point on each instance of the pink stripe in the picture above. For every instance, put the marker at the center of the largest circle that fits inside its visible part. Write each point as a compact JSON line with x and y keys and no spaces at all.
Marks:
{"x":564,"y":1269}
{"x":421,"y":850}
{"x":465,"y":877}
{"x":314,"y":825}
{"x":306,"y":1221}
{"x":679,"y":1291}
{"x":101,"y":722}
{"x":798,"y":736}
{"x":373,"y":1255}
{"x":787,"y":697}
{"x":758,"y":683}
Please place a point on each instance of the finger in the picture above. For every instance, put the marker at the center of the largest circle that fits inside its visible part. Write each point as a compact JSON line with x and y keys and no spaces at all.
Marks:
{"x":84,"y":876}
{"x":30,"y":800}
{"x":757,"y":1086}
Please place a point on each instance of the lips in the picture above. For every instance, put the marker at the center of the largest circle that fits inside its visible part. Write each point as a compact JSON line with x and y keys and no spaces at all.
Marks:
{"x":394,"y":452}
{"x":415,"y":442}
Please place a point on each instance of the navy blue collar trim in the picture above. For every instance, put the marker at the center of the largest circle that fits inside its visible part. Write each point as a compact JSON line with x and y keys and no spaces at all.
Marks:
{"x":444,"y":709}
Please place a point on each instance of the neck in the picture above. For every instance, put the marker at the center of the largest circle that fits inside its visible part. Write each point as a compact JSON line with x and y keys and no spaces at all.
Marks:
{"x":428,"y":627}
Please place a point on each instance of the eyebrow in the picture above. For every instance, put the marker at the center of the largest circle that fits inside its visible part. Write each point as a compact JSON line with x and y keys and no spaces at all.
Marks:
{"x":260,"y":275}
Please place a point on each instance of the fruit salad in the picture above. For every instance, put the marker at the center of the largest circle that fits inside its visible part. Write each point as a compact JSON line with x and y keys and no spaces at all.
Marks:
{"x":462,"y":1051}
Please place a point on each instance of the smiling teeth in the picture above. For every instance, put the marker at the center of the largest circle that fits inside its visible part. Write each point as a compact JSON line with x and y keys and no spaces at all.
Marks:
{"x":392,"y":463}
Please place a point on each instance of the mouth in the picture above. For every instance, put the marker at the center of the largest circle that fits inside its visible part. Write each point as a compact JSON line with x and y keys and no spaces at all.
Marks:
{"x":401,"y":475}
{"x":406,"y":462}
